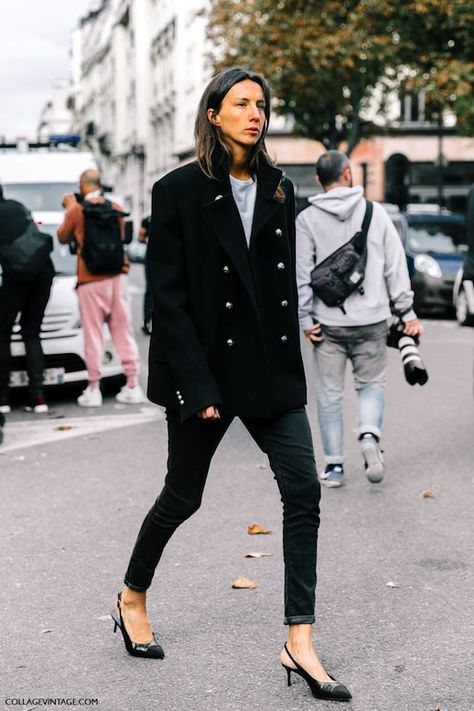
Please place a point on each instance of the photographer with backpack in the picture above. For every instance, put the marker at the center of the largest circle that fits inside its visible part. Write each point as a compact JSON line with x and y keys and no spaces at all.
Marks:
{"x":27,"y":275}
{"x":351,"y":268}
{"x":96,"y":226}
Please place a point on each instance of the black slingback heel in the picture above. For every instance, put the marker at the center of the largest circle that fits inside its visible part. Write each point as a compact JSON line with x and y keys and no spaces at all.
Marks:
{"x":149,"y":650}
{"x":331,"y":690}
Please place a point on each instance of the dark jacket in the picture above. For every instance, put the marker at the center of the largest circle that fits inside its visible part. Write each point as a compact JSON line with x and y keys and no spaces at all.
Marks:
{"x":14,"y":220}
{"x":225,"y":327}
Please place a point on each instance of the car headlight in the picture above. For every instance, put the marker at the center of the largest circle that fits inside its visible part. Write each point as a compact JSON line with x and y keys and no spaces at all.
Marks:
{"x":427,"y":265}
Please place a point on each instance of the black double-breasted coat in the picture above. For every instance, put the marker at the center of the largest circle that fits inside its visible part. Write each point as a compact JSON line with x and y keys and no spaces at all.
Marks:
{"x":225,"y":324}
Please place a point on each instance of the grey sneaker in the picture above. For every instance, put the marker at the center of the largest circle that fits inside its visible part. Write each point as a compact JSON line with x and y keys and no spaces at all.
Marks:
{"x":332,"y":476}
{"x":373,"y":458}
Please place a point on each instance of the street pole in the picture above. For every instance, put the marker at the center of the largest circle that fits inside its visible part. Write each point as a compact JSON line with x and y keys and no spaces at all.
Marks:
{"x":440,"y":162}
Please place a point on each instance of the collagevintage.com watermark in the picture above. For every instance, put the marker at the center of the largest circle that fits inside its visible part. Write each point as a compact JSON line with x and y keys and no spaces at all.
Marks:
{"x":28,"y":703}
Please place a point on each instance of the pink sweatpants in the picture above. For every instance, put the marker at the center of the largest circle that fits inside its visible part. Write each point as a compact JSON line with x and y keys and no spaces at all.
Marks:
{"x":106,"y":301}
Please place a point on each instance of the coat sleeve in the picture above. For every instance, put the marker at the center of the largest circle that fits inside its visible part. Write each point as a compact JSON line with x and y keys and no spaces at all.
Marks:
{"x":174,"y":328}
{"x":68,"y":228}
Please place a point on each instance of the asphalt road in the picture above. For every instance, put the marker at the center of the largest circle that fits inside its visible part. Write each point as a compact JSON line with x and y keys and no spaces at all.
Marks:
{"x":395,"y":567}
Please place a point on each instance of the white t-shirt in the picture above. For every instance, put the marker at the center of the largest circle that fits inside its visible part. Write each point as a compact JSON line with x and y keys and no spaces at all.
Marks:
{"x":245,"y":194}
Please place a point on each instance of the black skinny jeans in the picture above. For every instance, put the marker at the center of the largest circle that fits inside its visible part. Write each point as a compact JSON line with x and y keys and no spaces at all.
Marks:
{"x":29,"y":299}
{"x":286,"y":439}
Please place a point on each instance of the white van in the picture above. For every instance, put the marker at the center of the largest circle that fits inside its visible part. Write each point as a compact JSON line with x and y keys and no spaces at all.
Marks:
{"x":39,"y":179}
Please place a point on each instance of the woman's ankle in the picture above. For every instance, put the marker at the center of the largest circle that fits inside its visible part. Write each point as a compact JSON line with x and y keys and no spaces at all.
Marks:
{"x":133,"y":598}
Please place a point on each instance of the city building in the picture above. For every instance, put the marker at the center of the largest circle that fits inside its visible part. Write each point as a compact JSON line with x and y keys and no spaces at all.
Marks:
{"x":56,"y":119}
{"x":138,"y":69}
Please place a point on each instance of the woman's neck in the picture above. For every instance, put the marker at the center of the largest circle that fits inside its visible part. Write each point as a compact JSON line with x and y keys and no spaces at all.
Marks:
{"x":239,"y":165}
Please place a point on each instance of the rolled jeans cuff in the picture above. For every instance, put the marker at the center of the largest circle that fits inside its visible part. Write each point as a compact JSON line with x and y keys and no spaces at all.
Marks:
{"x":135,"y":588}
{"x":334,"y":460}
{"x":370,"y":429}
{"x":299,"y":620}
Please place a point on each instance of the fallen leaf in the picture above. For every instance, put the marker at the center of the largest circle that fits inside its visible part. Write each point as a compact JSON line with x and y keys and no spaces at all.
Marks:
{"x":252,"y":554}
{"x":391,"y":584}
{"x":256,"y":528}
{"x":46,"y":631}
{"x":244,"y":583}
{"x":428,"y":495}
{"x":262,"y":466}
{"x":63,"y":428}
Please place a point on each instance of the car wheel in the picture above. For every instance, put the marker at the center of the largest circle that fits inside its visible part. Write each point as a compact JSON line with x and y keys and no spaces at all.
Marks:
{"x":464,"y":318}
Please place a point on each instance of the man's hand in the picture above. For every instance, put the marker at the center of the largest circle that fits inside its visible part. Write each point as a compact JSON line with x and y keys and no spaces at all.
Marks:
{"x":413,"y":328}
{"x":69,"y":200}
{"x":209,"y":413}
{"x":142,"y":235}
{"x":314,"y":334}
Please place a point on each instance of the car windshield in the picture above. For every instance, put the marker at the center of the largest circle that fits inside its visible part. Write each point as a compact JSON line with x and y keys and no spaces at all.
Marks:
{"x":440,"y":237}
{"x":65,"y":263}
{"x":39,"y":196}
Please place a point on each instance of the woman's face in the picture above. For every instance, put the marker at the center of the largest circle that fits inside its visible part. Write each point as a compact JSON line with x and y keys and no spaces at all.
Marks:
{"x":241,"y":116}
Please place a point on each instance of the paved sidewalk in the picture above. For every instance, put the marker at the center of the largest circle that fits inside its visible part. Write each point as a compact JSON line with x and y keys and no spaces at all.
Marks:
{"x":395,"y":568}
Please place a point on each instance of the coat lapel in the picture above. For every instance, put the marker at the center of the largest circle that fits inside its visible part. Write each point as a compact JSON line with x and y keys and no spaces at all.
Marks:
{"x":265,"y":205}
{"x":224,"y":218}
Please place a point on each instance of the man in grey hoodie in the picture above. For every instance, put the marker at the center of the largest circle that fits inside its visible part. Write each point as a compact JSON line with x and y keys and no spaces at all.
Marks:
{"x":357,"y":333}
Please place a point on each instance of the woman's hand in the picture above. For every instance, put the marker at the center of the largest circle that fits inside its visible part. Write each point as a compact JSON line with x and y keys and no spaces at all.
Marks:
{"x":209,"y":413}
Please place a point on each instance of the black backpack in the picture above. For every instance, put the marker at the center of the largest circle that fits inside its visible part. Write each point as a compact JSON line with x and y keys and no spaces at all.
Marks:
{"x":342,"y":273}
{"x":24,"y":258}
{"x":102,"y":249}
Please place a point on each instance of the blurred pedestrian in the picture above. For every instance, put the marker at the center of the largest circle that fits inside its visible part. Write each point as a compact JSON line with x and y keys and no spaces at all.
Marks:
{"x":143,"y":236}
{"x":357,"y":331}
{"x":222,"y":274}
{"x":26,"y":284}
{"x":102,"y":288}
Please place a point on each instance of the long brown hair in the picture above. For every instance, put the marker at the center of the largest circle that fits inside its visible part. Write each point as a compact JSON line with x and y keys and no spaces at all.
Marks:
{"x":209,"y":141}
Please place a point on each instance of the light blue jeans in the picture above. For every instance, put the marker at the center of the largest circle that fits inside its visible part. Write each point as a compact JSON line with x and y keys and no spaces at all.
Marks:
{"x":365,"y":347}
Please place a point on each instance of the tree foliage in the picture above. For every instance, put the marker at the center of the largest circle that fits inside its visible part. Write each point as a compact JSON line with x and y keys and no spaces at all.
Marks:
{"x":332,"y":63}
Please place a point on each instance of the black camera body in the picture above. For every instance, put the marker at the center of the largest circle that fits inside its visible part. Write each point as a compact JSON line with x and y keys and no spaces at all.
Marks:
{"x":415,"y":371}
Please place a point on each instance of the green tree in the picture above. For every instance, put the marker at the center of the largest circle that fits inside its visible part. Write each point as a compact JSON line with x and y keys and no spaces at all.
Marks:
{"x":332,"y":63}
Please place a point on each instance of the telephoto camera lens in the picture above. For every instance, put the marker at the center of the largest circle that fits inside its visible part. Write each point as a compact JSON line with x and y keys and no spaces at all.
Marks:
{"x":415,"y":371}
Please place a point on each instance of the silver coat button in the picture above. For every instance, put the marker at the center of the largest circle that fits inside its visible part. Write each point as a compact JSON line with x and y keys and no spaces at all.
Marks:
{"x":278,"y":232}
{"x":280,"y":265}
{"x":229,"y":305}
{"x":284,"y":303}
{"x":218,"y":197}
{"x":225,"y":269}
{"x":230,"y":342}
{"x":284,"y":339}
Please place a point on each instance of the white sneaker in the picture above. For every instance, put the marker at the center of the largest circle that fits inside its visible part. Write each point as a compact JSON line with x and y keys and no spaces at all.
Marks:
{"x":5,"y":409}
{"x":90,"y":398}
{"x":131,"y":396}
{"x":373,"y":459}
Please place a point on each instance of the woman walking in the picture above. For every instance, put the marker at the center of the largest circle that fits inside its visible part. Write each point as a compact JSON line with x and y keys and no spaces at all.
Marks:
{"x":221,"y":265}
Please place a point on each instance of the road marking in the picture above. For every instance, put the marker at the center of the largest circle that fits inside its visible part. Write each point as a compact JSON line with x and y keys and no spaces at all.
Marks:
{"x":19,"y":435}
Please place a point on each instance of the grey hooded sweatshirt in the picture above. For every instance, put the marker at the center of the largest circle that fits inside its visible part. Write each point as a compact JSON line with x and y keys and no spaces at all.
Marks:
{"x":330,"y":221}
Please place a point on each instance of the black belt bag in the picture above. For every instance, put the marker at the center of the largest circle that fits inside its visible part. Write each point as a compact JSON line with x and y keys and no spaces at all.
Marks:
{"x":342,"y":273}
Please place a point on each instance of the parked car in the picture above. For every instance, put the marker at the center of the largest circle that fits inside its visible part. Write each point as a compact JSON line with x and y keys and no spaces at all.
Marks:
{"x":435,"y":248}
{"x":136,"y":251}
{"x":463,"y":292}
{"x":61,"y":333}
